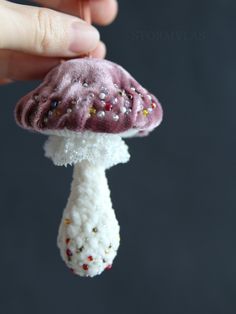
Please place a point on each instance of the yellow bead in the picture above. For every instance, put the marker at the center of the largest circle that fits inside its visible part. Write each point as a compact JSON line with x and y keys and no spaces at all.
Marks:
{"x":92,"y":110}
{"x":145,"y":112}
{"x":67,"y":221}
{"x":122,"y":93}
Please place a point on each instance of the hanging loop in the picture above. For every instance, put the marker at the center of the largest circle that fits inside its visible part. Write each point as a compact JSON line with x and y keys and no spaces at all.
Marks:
{"x":85,"y":14}
{"x":84,"y":10}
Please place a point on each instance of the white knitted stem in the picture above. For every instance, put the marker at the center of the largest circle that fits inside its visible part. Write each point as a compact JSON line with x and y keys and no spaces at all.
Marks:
{"x":89,"y":232}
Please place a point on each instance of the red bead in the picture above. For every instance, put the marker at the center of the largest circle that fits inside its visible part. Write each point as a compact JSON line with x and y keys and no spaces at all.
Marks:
{"x":68,"y":252}
{"x":67,"y":241}
{"x":108,"y":107}
{"x":85,"y":267}
{"x":90,"y":258}
{"x":154,"y":105}
{"x":108,"y":267}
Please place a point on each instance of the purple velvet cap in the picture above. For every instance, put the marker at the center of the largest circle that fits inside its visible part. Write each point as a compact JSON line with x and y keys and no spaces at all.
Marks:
{"x":89,"y":94}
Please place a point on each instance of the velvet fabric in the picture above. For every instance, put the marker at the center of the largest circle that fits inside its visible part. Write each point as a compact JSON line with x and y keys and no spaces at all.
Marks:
{"x":89,"y":94}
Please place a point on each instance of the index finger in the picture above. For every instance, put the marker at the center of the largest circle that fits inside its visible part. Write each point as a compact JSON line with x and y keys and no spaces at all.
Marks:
{"x":103,"y":12}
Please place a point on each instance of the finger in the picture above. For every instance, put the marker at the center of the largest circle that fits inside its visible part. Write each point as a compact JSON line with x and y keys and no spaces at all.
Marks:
{"x":44,"y":32}
{"x":5,"y":81}
{"x":20,"y":66}
{"x":103,"y":11}
{"x":100,"y":51}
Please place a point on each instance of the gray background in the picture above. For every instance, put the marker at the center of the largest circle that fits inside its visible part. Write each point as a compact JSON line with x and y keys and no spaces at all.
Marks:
{"x":176,"y":198}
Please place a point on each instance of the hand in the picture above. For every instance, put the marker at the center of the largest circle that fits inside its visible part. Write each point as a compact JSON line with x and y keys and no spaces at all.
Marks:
{"x":33,"y":39}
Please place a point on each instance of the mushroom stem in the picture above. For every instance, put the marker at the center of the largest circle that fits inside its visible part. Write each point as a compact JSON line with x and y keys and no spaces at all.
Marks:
{"x":89,"y":232}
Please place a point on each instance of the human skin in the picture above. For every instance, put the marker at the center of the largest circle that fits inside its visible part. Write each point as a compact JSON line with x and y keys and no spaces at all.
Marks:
{"x":33,"y":39}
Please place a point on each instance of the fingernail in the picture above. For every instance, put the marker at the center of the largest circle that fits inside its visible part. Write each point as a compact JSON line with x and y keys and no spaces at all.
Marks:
{"x":84,"y":37}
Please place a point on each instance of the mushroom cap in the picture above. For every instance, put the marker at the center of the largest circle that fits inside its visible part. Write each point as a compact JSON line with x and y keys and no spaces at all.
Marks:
{"x":89,"y":95}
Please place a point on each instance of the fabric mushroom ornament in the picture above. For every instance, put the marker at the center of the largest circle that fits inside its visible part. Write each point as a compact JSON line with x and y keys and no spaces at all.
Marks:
{"x":87,"y":106}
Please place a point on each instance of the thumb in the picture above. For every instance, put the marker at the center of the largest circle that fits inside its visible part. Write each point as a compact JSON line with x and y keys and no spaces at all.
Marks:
{"x":44,"y":32}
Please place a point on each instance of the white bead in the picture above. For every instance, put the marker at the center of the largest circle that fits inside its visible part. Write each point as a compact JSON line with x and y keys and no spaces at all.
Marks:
{"x":123,"y":110}
{"x":150,"y":110}
{"x":69,"y":110}
{"x":102,"y":95}
{"x":149,"y":97}
{"x":85,"y":84}
{"x":114,"y":101}
{"x":49,"y":113}
{"x":115,"y":117}
{"x":132,"y":88}
{"x":101,"y":114}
